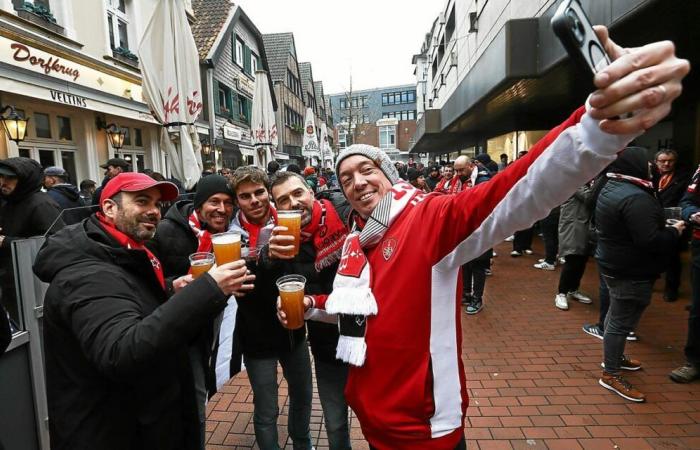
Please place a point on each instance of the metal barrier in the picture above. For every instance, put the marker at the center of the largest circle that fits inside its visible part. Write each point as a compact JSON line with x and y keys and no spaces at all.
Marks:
{"x":24,"y":356}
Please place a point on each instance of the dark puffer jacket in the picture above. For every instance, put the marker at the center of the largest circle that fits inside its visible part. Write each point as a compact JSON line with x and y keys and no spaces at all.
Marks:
{"x":117,"y":368}
{"x":174,"y":241}
{"x":27,"y":211}
{"x":68,"y":197}
{"x":633,"y":239}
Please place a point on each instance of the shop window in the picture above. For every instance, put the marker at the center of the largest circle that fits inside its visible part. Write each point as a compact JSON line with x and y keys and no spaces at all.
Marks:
{"x":46,"y":158}
{"x":42,"y":125}
{"x":68,"y":164}
{"x":138,"y":139}
{"x":64,"y":130}
{"x":25,"y":153}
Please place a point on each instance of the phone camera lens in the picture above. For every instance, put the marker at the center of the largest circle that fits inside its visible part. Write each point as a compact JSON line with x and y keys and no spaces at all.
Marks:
{"x":577,"y":26}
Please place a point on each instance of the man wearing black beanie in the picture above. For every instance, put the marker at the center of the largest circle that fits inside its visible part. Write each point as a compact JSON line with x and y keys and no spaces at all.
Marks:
{"x":187,"y":228}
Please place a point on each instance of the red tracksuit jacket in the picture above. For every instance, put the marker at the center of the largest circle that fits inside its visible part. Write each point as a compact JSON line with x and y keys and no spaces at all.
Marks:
{"x":411,"y":392}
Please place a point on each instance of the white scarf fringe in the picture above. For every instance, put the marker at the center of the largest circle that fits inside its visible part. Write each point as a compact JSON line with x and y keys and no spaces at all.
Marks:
{"x":352,"y":300}
{"x":352,"y":350}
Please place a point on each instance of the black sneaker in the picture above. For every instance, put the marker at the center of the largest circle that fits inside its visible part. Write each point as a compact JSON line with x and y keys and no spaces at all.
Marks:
{"x":593,"y":329}
{"x":466,"y":299}
{"x":475,"y":306}
{"x":670,"y":295}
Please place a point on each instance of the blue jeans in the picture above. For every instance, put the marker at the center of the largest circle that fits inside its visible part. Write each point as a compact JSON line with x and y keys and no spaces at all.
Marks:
{"x":628,"y":300}
{"x":262,"y":372}
{"x":330,"y":379}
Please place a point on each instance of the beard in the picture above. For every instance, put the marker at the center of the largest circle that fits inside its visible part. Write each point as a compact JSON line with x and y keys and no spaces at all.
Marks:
{"x":133,"y":226}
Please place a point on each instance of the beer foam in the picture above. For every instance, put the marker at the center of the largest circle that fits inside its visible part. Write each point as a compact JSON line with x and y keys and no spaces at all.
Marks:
{"x":228,"y":238}
{"x":291,"y":286}
{"x":202,"y":262}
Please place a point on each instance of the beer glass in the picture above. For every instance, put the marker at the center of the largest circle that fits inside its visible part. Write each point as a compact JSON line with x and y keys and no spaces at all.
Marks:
{"x":673,"y":215}
{"x":227,"y":247}
{"x":291,"y":220}
{"x":291,"y":289}
{"x":200,"y":262}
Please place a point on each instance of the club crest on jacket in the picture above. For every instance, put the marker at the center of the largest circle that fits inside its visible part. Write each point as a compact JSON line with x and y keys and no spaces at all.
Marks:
{"x":388,"y":247}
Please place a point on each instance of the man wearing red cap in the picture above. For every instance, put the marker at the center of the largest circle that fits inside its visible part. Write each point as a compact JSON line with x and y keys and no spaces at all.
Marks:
{"x":116,"y":331}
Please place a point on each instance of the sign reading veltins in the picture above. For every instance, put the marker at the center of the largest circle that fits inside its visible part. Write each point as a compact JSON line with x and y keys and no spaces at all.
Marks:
{"x":68,"y":99}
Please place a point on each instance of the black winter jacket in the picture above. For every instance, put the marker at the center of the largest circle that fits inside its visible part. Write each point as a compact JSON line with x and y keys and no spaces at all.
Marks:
{"x":323,"y":337}
{"x":671,"y":196}
{"x":174,"y":241}
{"x":633,"y":239}
{"x":67,"y":196}
{"x":117,"y":368}
{"x":27,"y":211}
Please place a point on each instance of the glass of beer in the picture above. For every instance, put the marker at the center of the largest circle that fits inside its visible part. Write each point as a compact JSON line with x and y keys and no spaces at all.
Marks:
{"x":291,"y":289}
{"x":291,"y":220}
{"x":673,"y":215}
{"x":200,"y":262}
{"x":227,"y":247}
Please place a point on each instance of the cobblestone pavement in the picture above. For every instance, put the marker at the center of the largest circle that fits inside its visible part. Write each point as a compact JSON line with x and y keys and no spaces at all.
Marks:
{"x":533,"y":375}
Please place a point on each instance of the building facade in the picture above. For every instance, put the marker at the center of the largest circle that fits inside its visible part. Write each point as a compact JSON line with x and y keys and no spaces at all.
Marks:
{"x":72,"y":77}
{"x":286,"y":79}
{"x":492,"y":76}
{"x":231,"y":49}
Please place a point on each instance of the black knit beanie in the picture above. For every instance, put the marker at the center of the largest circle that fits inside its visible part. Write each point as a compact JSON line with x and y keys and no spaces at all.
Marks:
{"x":210,"y":185}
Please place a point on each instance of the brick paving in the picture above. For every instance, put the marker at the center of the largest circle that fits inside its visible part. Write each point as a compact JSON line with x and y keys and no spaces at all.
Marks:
{"x":533,"y":375}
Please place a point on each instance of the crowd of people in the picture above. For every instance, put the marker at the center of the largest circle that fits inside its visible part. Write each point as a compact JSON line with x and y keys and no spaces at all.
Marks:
{"x":135,"y":345}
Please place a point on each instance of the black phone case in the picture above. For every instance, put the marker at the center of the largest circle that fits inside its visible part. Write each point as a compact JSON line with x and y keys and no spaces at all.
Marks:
{"x":580,"y":49}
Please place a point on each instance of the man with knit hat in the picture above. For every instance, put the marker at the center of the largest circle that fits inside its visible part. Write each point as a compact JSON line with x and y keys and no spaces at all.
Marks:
{"x":117,"y":331}
{"x":187,"y":228}
{"x":398,"y":298}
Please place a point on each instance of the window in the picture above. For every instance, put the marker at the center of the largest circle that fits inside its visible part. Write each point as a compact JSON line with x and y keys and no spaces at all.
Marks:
{"x":64,"y":131}
{"x":138,"y":140}
{"x":238,"y":54}
{"x":354,"y":102}
{"x":46,"y":158}
{"x":68,"y":164}
{"x":450,"y":26}
{"x":343,"y":103}
{"x":244,"y":108}
{"x":387,"y":137}
{"x":342,"y":138}
{"x":224,"y":102}
{"x":253,"y":62}
{"x":363,"y":101}
{"x":411,"y":96}
{"x":42,"y":125}
{"x":127,"y":136}
{"x":118,"y":21}
{"x":385,"y":99}
{"x":412,"y":115}
{"x":293,"y":83}
{"x":365,"y":118}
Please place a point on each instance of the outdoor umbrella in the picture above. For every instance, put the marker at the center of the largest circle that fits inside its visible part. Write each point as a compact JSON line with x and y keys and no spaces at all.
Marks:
{"x":326,"y":153}
{"x":264,"y":127}
{"x":172,"y":88}
{"x":310,"y":145}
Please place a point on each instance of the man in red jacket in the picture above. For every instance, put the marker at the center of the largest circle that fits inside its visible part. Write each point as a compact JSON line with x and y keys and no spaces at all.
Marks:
{"x":398,"y":302}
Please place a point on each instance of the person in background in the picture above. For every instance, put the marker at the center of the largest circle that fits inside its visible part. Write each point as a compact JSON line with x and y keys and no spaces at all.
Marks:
{"x":311,"y":178}
{"x":447,"y":180}
{"x":504,"y":162}
{"x":87,"y":190}
{"x":113,"y":167}
{"x":690,"y":371}
{"x":433,"y":177}
{"x":487,"y":162}
{"x":671,"y":182}
{"x":293,"y":168}
{"x":25,"y":211}
{"x":417,"y":179}
{"x":65,"y":194}
{"x":634,"y":245}
{"x":272,"y":168}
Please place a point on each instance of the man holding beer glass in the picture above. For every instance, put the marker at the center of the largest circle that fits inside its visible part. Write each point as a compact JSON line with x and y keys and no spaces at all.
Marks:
{"x":116,"y":333}
{"x":263,"y":340}
{"x":398,"y":299}
{"x":184,"y":242}
{"x":323,"y":232}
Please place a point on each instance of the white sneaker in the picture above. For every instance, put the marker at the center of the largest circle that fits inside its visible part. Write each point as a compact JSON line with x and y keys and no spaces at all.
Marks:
{"x":582,"y":298}
{"x":510,"y":238}
{"x":560,"y":302}
{"x":562,"y":260}
{"x":528,"y":252}
{"x":495,"y":254}
{"x":544,"y":265}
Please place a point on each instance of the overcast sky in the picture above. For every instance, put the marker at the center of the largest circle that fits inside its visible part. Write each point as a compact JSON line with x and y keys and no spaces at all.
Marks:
{"x":372,"y":39}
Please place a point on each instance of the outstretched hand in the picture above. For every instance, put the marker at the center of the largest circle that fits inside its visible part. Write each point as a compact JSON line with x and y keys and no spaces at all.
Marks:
{"x":643,"y":80}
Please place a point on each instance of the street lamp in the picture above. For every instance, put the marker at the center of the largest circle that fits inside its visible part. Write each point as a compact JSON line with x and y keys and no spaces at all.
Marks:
{"x":115,"y":135}
{"x":206,"y":147}
{"x":15,"y":125}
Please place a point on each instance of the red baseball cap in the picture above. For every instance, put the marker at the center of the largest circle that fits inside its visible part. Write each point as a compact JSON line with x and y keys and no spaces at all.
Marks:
{"x":134,"y":182}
